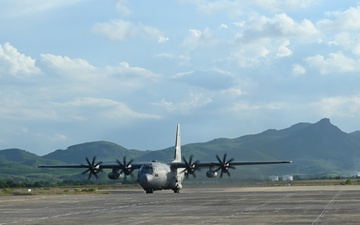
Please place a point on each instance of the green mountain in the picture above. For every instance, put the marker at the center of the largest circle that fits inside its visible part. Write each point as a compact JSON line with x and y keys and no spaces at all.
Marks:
{"x":22,"y":164}
{"x":103,"y":150}
{"x":16,"y":155}
{"x":318,"y":149}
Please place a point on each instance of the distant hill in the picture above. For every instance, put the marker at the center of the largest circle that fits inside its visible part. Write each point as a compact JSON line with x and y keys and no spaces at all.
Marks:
{"x":16,"y":155}
{"x":316,"y":149}
{"x":319,"y":148}
{"x":103,"y":150}
{"x":22,"y":164}
{"x":356,"y":134}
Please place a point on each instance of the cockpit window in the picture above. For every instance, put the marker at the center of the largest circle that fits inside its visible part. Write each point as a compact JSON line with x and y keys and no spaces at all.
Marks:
{"x":146,"y":168}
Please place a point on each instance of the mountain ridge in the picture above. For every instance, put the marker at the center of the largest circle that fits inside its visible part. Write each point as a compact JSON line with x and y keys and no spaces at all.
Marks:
{"x":315,"y":148}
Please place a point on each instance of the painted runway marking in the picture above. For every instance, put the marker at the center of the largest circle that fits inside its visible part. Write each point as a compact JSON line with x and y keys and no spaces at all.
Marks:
{"x":325,"y":209}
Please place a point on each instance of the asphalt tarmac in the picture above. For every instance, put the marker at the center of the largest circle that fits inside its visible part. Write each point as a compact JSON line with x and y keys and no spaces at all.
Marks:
{"x":265,"y":205}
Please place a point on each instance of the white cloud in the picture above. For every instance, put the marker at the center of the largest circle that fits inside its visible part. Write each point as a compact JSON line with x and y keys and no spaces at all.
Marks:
{"x":162,"y":39}
{"x":253,"y":54}
{"x":261,"y":39}
{"x":224,"y":26}
{"x":341,"y":29}
{"x":79,"y":69}
{"x":182,"y":59}
{"x":108,"y":108}
{"x":198,"y":38}
{"x":120,"y":30}
{"x":339,"y":106}
{"x":65,"y":67}
{"x":22,"y":107}
{"x":283,"y":50}
{"x":121,"y":6}
{"x":279,"y":26}
{"x":192,"y":102}
{"x":116,"y":29}
{"x":233,"y":92}
{"x":246,"y":108}
{"x":67,"y":78}
{"x":298,"y":69}
{"x":334,"y":63}
{"x":343,"y":20}
{"x":14,"y":63}
{"x":19,"y":8}
{"x":348,"y":41}
{"x":124,"y":70}
{"x":59,"y":137}
{"x":65,"y":63}
{"x":211,"y":79}
{"x":239,"y":24}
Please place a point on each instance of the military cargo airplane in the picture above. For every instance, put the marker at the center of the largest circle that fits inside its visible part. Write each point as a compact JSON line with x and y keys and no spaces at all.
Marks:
{"x":155,"y":175}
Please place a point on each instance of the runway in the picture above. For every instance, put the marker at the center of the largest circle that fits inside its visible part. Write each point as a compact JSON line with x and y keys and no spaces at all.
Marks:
{"x":265,"y":205}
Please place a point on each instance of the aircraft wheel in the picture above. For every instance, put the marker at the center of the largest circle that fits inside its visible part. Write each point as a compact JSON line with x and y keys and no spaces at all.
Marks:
{"x":149,"y":191}
{"x":177,"y":191}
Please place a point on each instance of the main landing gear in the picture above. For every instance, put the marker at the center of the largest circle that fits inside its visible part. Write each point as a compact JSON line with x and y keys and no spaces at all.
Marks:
{"x":150,"y":191}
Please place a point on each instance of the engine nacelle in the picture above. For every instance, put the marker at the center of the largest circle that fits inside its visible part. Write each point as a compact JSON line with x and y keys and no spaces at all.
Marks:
{"x":211,"y":174}
{"x":114,"y":175}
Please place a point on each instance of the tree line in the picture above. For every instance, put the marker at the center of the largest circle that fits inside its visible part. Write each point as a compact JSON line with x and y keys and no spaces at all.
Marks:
{"x":40,"y":184}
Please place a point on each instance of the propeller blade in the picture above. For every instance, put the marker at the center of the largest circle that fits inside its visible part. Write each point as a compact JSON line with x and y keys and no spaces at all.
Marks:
{"x":118,"y":162}
{"x":129,"y":163}
{"x":125,"y":167}
{"x":218,"y":159}
{"x":86,"y":171}
{"x":190,"y":166}
{"x":88,"y":161}
{"x":225,"y":165}
{"x":93,"y":167}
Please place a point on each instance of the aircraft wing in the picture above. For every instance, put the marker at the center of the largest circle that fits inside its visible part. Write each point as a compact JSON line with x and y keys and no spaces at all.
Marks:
{"x":223,"y":165}
{"x":94,"y":167}
{"x":218,"y":164}
{"x":239,"y":163}
{"x":100,"y":167}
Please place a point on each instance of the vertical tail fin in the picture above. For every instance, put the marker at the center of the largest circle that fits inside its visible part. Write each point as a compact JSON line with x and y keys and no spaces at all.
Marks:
{"x":177,"y":154}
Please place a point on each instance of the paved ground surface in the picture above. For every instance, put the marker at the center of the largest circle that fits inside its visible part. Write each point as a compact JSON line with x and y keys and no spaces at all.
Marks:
{"x":278,"y":205}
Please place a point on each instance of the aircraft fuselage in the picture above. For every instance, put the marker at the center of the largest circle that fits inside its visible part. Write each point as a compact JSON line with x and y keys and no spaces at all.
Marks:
{"x":157,"y":176}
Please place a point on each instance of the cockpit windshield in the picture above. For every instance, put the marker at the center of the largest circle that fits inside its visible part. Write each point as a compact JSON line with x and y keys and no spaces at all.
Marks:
{"x":146,"y":168}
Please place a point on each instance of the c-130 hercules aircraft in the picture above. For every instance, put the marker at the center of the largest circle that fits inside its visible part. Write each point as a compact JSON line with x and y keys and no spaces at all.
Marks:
{"x":155,"y":175}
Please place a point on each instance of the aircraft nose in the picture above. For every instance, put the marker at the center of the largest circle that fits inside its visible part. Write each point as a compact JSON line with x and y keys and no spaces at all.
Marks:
{"x":145,"y":179}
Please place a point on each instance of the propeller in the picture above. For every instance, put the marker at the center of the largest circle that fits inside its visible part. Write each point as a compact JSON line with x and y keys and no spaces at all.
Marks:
{"x":125,"y":167}
{"x":93,"y":168}
{"x":224,"y":165}
{"x":190,"y":167}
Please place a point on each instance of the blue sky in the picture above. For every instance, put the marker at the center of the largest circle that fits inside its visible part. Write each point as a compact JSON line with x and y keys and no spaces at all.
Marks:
{"x":128,"y":71}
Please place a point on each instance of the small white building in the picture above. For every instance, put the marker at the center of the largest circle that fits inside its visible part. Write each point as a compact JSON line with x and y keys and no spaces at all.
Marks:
{"x":287,"y":178}
{"x":274,"y":178}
